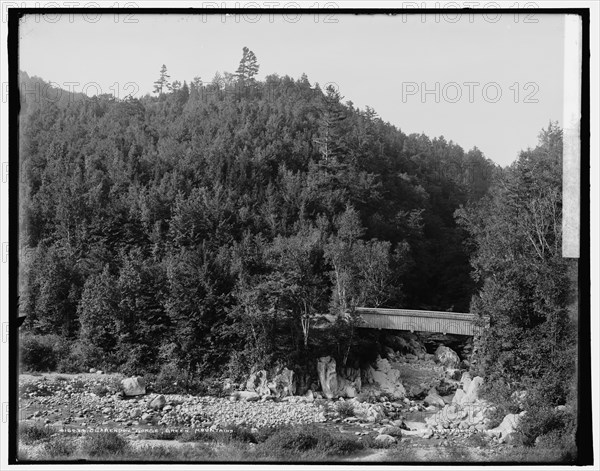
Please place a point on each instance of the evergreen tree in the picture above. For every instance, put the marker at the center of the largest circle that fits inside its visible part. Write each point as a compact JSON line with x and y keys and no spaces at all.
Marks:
{"x":248,"y":67}
{"x":162,"y":84}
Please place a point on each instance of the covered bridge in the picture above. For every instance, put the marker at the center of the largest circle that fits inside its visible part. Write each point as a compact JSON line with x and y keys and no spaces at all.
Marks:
{"x":459,"y":323}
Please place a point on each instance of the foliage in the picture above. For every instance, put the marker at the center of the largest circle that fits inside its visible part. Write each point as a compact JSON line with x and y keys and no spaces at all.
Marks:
{"x":345,"y":409}
{"x":32,"y":433}
{"x":60,"y":447}
{"x":527,"y":288}
{"x":206,"y":228}
{"x":104,"y":444}
{"x":38,"y":352}
{"x":287,"y":442}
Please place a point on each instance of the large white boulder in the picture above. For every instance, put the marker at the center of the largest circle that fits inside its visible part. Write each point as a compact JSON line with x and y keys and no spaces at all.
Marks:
{"x":327,"y":376}
{"x":388,"y":379}
{"x":447,"y":357}
{"x":135,"y":386}
{"x":507,"y":428}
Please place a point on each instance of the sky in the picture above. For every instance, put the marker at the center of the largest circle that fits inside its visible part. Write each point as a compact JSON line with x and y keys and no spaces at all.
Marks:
{"x":492,"y":82}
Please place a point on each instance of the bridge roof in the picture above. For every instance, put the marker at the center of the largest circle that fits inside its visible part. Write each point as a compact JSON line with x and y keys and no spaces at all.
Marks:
{"x":461,"y":323}
{"x":463,"y":316}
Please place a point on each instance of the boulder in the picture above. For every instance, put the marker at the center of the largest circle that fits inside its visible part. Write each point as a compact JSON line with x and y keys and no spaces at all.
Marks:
{"x":385,"y":439}
{"x":93,"y":370}
{"x":391,"y":430}
{"x":388,"y":379}
{"x":472,"y":394}
{"x":417,"y":391}
{"x":349,"y":382}
{"x":146,"y":417}
{"x":284,"y":384}
{"x":249,"y":396}
{"x":465,"y":381}
{"x":368,"y":412}
{"x":309,"y":397}
{"x":257,"y":382}
{"x":327,"y":376}
{"x":447,"y":357}
{"x":134,"y":386}
{"x":458,"y":396}
{"x":507,"y":427}
{"x":433,"y":398}
{"x":158,"y":402}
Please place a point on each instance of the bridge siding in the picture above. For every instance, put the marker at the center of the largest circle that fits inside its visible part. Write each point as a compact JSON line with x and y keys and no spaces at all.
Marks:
{"x":423,"y":321}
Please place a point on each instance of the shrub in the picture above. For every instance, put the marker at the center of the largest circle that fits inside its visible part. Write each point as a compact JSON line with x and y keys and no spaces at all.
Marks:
{"x":289,"y":441}
{"x":369,"y":442}
{"x":100,"y":389}
{"x":31,"y":433}
{"x":171,"y":380}
{"x":401,"y":454}
{"x":544,"y":420}
{"x":105,"y":444}
{"x":59,"y":448}
{"x":345,"y":409}
{"x":38,"y":352}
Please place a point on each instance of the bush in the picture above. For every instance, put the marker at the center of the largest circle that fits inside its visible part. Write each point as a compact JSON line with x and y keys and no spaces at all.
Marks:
{"x":100,"y":390}
{"x":289,"y":441}
{"x":345,"y":409}
{"x":544,"y":420}
{"x":105,"y":444}
{"x":59,"y":448}
{"x":32,"y":433}
{"x":38,"y":352}
{"x":171,"y":380}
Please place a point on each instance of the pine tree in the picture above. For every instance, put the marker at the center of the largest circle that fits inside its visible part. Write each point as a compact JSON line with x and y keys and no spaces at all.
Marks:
{"x":163,"y":81}
{"x":248,"y":67}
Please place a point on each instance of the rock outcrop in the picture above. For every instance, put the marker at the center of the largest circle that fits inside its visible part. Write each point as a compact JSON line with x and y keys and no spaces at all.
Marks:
{"x":386,"y":378}
{"x":327,"y":376}
{"x":257,"y":382}
{"x":283,"y":383}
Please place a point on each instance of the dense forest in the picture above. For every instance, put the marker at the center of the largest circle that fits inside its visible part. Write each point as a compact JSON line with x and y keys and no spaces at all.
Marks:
{"x":202,"y":228}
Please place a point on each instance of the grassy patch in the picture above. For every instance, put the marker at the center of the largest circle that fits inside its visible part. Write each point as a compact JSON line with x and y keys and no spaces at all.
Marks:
{"x":108,"y":445}
{"x":401,"y":454}
{"x":32,"y":433}
{"x":59,"y":448}
{"x":306,"y":442}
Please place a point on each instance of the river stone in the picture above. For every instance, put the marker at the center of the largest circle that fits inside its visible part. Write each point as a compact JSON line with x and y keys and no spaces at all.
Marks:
{"x":391,"y":430}
{"x":134,"y":386}
{"x":433,"y":398}
{"x":385,"y":439}
{"x":447,"y":357}
{"x":158,"y":402}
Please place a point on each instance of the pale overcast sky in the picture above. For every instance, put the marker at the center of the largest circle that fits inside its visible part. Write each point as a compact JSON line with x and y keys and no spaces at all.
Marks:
{"x":381,"y":61}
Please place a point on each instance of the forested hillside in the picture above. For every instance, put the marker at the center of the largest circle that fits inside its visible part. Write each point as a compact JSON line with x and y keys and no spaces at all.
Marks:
{"x":204,"y":226}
